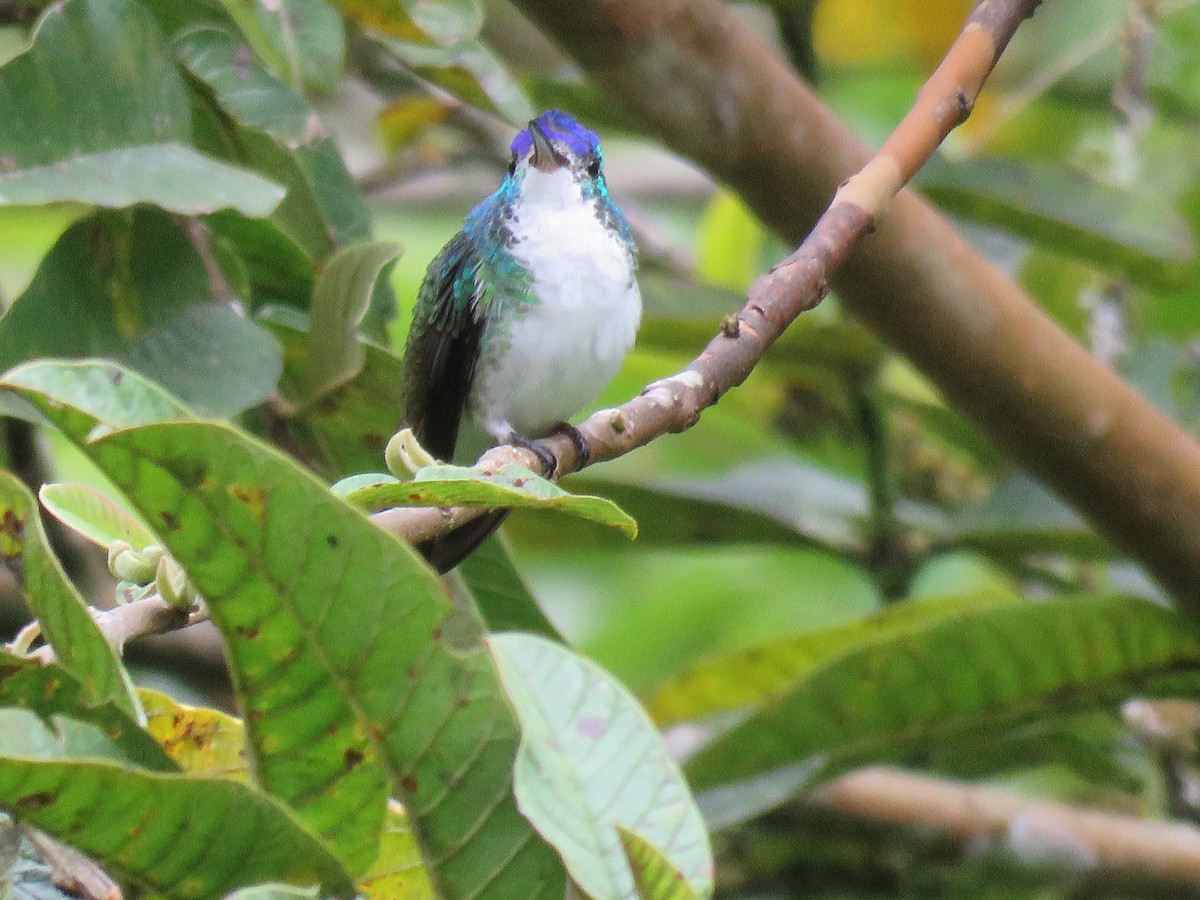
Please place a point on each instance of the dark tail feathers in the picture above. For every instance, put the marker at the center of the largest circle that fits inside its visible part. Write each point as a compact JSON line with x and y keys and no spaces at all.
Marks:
{"x":447,"y":551}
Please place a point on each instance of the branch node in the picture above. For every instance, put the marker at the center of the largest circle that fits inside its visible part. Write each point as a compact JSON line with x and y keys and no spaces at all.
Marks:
{"x":730,"y":326}
{"x":965,"y":105}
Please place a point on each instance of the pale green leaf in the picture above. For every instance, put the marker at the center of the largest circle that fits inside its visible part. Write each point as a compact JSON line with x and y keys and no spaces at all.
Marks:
{"x":590,"y":760}
{"x":340,"y":300}
{"x":98,"y":518}
{"x":66,"y":622}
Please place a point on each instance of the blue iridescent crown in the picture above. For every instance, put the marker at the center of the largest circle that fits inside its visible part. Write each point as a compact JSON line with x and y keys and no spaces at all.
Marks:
{"x":561,"y":129}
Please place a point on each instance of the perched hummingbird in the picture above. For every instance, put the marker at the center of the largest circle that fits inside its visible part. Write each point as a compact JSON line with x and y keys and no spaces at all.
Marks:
{"x":528,"y":312}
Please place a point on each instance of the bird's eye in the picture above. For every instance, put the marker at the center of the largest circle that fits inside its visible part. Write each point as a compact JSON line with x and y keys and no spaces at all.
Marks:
{"x":593,"y":167}
{"x":512,"y":164}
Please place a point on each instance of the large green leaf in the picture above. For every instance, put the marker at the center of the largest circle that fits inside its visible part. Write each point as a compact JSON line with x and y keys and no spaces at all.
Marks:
{"x":131,"y":286}
{"x":65,"y":620}
{"x":303,"y":40}
{"x":757,"y":674}
{"x":344,"y":649}
{"x":172,"y":176}
{"x":590,"y":760}
{"x":182,"y":836}
{"x":994,"y":668}
{"x":83,"y":124}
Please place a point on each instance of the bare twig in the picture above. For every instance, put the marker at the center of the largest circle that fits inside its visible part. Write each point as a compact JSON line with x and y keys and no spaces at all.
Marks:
{"x":73,"y":871}
{"x":122,"y":624}
{"x":795,"y":285}
{"x":1083,"y":839}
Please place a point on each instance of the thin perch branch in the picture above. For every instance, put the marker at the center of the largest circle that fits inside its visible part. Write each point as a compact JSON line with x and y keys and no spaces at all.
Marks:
{"x":796,"y":284}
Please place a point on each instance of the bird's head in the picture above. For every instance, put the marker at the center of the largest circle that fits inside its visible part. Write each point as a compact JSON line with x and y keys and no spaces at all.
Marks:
{"x":555,"y":142}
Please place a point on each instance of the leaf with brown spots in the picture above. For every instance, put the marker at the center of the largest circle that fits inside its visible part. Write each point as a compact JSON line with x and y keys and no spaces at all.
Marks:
{"x":49,"y":690}
{"x":201,"y":741}
{"x":340,"y":625}
{"x":153,"y":828}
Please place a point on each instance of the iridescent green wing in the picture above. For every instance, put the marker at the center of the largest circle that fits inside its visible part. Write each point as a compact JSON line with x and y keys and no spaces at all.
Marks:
{"x":443,"y":347}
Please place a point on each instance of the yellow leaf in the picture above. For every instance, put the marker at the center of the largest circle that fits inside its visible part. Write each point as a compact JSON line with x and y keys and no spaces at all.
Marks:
{"x":202,"y":741}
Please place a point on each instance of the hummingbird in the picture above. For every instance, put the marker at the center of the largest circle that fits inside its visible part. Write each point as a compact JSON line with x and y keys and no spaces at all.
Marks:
{"x":527,"y":313}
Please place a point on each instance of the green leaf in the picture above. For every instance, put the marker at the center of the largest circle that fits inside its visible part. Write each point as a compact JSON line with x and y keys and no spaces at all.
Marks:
{"x":303,"y":40}
{"x":447,"y":22}
{"x":130,"y":286}
{"x":344,"y":649}
{"x":469,"y":71}
{"x":76,"y":395}
{"x":183,"y":836}
{"x":653,"y":875}
{"x":1120,"y":230}
{"x":50,"y":691}
{"x":351,"y":427}
{"x":73,"y":92}
{"x":590,"y":760}
{"x":244,"y":88}
{"x":755,"y":675}
{"x":66,"y":622}
{"x":172,"y":176}
{"x":280,"y":136}
{"x":98,"y":518}
{"x":343,"y":293}
{"x":83,"y":125}
{"x":920,"y":690}
{"x":509,"y":486}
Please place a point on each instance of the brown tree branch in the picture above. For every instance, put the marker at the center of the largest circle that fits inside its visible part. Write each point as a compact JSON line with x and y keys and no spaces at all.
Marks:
{"x":1084,"y":839}
{"x":715,"y":93}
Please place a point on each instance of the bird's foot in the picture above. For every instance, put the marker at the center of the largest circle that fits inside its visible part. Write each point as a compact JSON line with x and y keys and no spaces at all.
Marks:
{"x":545,"y":457}
{"x":583,"y":452}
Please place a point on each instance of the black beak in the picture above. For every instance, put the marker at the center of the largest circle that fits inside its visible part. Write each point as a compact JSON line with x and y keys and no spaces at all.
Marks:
{"x":545,"y":157}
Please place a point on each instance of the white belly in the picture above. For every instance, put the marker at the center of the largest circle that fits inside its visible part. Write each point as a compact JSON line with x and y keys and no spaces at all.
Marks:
{"x":557,"y":357}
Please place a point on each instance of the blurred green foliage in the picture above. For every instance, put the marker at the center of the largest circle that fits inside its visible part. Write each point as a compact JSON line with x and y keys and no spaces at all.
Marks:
{"x":832,"y":557}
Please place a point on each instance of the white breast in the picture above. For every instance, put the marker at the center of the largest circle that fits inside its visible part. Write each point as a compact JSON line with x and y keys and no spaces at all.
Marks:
{"x":562,"y":352}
